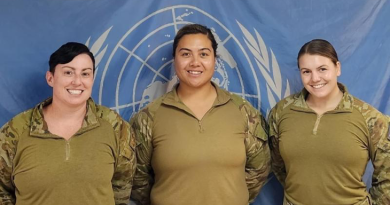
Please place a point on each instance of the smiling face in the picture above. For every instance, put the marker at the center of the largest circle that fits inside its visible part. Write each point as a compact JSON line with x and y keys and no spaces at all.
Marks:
{"x":72,"y":82}
{"x":319,"y":76}
{"x":194,"y":61}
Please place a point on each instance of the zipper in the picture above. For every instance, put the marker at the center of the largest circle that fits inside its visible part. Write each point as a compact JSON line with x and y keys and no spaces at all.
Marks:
{"x":67,"y":150}
{"x":200,"y":126}
{"x":317,"y":124}
{"x":200,"y":121}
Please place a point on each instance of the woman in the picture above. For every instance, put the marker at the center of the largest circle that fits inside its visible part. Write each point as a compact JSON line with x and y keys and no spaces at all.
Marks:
{"x":322,"y":138}
{"x":199,"y":144}
{"x":67,"y":150}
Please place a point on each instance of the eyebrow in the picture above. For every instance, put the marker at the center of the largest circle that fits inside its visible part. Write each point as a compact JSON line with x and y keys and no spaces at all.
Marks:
{"x":185,"y":49}
{"x":202,"y":49}
{"x":315,"y":68}
{"x":75,"y":68}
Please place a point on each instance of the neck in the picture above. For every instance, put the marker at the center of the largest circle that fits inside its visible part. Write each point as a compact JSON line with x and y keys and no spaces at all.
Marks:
{"x":65,"y":112}
{"x":325,"y":104}
{"x":196,"y":94}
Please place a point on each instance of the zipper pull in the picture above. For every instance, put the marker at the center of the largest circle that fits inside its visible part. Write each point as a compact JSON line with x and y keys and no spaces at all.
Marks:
{"x":200,"y":126}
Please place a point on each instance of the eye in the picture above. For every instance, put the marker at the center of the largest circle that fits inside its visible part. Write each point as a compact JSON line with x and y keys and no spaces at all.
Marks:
{"x":204,"y":54}
{"x":305,"y":72}
{"x":322,"y":69}
{"x":68,"y":72}
{"x":86,"y":74}
{"x":185,"y":54}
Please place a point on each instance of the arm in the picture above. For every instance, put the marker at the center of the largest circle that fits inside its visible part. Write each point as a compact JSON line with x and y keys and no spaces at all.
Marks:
{"x":144,"y":177}
{"x":380,"y":156}
{"x":8,"y":140}
{"x":278,"y":166}
{"x":258,"y":158}
{"x":125,"y":161}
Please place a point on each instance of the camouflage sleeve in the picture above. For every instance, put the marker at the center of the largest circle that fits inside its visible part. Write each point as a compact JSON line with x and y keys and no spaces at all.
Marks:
{"x":258,"y":156}
{"x":8,"y":141}
{"x":144,"y":176}
{"x":125,"y":161}
{"x":380,"y":155}
{"x":278,"y":166}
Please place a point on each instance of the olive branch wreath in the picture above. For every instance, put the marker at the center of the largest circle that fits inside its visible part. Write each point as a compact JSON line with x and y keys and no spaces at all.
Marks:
{"x":96,"y":48}
{"x":267,"y":64}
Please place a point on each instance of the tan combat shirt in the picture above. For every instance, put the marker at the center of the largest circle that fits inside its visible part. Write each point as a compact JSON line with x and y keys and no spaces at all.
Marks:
{"x":222,"y":159}
{"x":321,"y":159}
{"x":93,"y":167}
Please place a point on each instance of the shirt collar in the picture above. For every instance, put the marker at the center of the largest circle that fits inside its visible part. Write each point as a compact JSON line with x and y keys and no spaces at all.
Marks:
{"x":39,"y":126}
{"x":345,"y":105}
{"x":172,"y":98}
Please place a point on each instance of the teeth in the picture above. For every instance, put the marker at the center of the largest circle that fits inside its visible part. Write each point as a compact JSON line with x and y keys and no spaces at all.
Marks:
{"x":75,"y":92}
{"x":318,"y":86}
{"x":194,"y":72}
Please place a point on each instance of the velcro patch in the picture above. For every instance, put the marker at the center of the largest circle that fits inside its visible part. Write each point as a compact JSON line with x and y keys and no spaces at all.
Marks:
{"x":388,"y":133}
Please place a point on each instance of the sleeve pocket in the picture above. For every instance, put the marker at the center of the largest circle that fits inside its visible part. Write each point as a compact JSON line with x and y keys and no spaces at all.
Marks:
{"x":384,"y":143}
{"x":260,"y":133}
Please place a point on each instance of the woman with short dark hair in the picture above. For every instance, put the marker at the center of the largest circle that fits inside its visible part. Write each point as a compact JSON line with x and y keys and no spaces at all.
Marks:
{"x":67,"y":150}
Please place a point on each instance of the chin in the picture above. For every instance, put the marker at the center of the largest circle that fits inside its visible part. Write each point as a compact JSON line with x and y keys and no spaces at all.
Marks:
{"x":77,"y":102}
{"x":320,"y":95}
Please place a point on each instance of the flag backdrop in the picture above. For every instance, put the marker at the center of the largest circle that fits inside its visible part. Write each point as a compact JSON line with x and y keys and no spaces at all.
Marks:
{"x":132,"y":42}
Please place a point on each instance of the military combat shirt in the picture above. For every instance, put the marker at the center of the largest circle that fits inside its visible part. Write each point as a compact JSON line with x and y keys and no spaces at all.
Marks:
{"x":321,"y":159}
{"x":221,"y":159}
{"x":93,"y":167}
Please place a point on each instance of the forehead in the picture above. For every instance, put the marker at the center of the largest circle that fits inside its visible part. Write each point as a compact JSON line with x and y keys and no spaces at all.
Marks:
{"x":81,"y":61}
{"x":195,"y":40}
{"x":313,"y":61}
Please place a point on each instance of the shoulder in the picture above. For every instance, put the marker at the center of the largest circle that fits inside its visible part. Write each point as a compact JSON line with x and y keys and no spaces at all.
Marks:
{"x":376,"y":122}
{"x":285,"y":104}
{"x":17,"y":125}
{"x":108,"y":115}
{"x":150,"y":110}
{"x":245,"y":107}
{"x":238,"y":100}
{"x":361,"y":106}
{"x":366,"y":110}
{"x":155,"y":104}
{"x":288,"y":101}
{"x":241,"y":102}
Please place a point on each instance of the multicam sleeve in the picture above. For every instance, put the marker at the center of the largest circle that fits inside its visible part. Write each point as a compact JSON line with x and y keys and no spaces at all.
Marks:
{"x":8,"y":141}
{"x":380,"y":155}
{"x":125,"y":161}
{"x":278,"y":166}
{"x":257,"y":151}
{"x":144,"y":176}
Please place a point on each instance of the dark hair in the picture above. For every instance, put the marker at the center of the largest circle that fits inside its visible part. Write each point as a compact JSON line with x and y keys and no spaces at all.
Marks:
{"x":319,"y":47}
{"x":67,"y":52}
{"x":194,"y":29}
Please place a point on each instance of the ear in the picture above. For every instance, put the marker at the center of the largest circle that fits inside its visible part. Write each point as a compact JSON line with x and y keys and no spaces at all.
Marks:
{"x":338,"y":67}
{"x":49,"y":78}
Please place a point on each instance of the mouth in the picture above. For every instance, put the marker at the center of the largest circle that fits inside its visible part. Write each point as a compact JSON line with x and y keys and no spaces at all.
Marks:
{"x":75,"y":92}
{"x":194,"y":72}
{"x":318,"y":86}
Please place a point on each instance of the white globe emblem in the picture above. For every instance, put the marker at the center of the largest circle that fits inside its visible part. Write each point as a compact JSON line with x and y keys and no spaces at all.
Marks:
{"x":143,"y":66}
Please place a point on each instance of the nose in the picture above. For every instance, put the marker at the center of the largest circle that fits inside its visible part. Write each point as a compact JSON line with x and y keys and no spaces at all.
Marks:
{"x":194,"y":61}
{"x":315,"y":77}
{"x":76,"y":80}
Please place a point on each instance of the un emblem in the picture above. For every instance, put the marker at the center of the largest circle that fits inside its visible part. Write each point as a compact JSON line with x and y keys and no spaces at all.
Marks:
{"x":140,"y":67}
